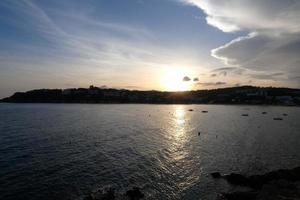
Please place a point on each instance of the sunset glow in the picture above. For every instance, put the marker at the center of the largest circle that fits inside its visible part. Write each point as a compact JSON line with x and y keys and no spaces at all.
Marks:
{"x":137,"y":45}
{"x":172,"y":80}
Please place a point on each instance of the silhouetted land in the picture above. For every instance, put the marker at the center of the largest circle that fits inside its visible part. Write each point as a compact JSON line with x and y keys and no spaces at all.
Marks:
{"x":235,"y":95}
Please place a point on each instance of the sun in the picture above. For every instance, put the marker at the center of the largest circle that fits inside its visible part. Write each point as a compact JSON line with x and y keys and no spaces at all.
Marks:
{"x":172,"y":80}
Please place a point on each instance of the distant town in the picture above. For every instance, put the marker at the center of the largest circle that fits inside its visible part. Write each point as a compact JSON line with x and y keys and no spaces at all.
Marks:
{"x":235,"y":95}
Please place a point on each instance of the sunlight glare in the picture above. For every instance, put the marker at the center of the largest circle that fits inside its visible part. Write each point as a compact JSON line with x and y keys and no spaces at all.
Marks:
{"x":172,"y":80}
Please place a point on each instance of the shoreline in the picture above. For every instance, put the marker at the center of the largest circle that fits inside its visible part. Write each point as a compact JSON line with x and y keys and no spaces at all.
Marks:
{"x":128,"y":103}
{"x":245,"y":95}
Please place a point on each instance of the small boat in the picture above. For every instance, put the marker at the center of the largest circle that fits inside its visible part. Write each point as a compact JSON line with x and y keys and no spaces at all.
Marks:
{"x":245,"y":115}
{"x":277,"y":118}
{"x":204,"y":111}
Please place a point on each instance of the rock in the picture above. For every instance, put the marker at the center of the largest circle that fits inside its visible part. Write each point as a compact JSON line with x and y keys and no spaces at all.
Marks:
{"x":102,"y":195}
{"x":216,"y":175}
{"x":245,"y":115}
{"x":257,"y":181}
{"x":199,"y":133}
{"x":276,"y":185}
{"x":251,"y":195}
{"x":237,"y":179}
{"x":135,"y":194}
{"x":264,"y":113}
{"x":284,"y":114}
{"x":279,"y":190}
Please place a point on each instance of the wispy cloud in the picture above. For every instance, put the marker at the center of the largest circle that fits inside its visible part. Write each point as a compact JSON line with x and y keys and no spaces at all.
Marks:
{"x":78,"y":46}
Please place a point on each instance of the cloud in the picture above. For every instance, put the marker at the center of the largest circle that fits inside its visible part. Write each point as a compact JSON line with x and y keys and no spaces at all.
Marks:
{"x":224,"y":69}
{"x":224,"y":73}
{"x":267,"y":76}
{"x":262,"y":52}
{"x":251,"y":74}
{"x":252,"y":15}
{"x":132,"y":87}
{"x":272,"y":41}
{"x":66,"y":44}
{"x":211,"y":83}
{"x":186,"y":78}
{"x":78,"y":35}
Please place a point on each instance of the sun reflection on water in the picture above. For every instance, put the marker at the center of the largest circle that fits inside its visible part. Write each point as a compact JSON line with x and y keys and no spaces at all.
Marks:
{"x":179,"y":114}
{"x":175,"y":159}
{"x":179,"y":125}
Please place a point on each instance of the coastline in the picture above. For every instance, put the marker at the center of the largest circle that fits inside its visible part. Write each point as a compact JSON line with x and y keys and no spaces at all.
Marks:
{"x":120,"y":103}
{"x":245,"y":95}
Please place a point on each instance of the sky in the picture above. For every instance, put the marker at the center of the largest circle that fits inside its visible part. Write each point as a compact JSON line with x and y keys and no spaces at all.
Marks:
{"x":164,"y":45}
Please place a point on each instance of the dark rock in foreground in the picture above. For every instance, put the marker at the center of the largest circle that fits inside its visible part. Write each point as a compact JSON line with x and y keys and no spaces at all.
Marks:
{"x":251,"y":195}
{"x":135,"y":194}
{"x":257,"y":181}
{"x":275,"y":185}
{"x":108,"y":194}
{"x":238,"y":179}
{"x":216,"y":175}
{"x":275,"y":190}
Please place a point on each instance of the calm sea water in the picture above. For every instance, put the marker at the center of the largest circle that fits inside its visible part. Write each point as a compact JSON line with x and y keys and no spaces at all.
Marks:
{"x":59,"y":151}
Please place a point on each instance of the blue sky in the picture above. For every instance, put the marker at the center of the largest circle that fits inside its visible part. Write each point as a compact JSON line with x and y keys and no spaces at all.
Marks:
{"x":134,"y":44}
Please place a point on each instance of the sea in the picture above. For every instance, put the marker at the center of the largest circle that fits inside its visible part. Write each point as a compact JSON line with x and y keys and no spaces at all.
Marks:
{"x":68,"y":151}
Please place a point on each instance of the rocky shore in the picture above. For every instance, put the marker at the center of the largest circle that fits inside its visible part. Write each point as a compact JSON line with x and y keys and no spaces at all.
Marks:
{"x":283,"y":184}
{"x":109,"y":194}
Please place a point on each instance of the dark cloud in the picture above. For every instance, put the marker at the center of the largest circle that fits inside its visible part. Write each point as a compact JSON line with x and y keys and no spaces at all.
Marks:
{"x":239,"y":71}
{"x":186,"y":78}
{"x":223,"y":73}
{"x":224,"y":69}
{"x":196,"y":79}
{"x":212,"y":83}
{"x":133,"y":87}
{"x":267,"y":76}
